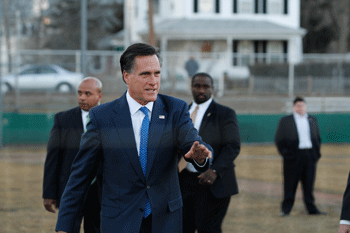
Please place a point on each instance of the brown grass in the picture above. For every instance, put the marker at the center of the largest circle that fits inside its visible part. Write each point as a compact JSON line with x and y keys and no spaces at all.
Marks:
{"x":21,"y":208}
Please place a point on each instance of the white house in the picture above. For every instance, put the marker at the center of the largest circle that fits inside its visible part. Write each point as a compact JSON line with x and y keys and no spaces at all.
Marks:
{"x":240,"y":32}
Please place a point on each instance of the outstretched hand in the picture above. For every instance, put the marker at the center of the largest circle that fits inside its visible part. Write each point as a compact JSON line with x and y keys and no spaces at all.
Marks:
{"x":199,"y":153}
{"x":344,"y":228}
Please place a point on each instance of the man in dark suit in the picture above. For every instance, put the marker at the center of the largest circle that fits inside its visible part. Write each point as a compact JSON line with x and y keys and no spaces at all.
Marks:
{"x":207,"y":195}
{"x":298,"y":141}
{"x":136,"y":138}
{"x":62,"y":148}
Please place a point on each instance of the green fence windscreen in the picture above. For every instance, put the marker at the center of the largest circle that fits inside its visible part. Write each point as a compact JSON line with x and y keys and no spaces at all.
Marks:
{"x":35,"y":128}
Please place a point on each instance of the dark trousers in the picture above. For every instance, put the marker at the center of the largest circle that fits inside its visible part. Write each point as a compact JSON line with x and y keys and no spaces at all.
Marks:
{"x":301,"y":168}
{"x":91,"y":211}
{"x":202,"y":211}
{"x":146,"y":225}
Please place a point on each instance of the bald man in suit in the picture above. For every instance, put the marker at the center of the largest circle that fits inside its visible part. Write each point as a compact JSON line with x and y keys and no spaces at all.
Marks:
{"x":62,"y":149}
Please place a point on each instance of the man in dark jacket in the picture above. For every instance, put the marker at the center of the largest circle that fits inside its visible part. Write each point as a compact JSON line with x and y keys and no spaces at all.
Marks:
{"x":61,"y":150}
{"x":207,"y":195}
{"x":298,"y":141}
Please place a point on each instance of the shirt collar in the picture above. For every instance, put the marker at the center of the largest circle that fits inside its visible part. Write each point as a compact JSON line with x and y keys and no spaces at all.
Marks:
{"x":296,"y":115}
{"x":84,"y":113}
{"x":134,"y":106}
{"x":204,"y":105}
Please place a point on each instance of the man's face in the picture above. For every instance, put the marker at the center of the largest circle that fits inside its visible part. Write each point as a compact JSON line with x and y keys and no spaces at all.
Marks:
{"x":144,"y":79}
{"x":300,"y":108}
{"x":88,"y":95}
{"x":202,"y":89}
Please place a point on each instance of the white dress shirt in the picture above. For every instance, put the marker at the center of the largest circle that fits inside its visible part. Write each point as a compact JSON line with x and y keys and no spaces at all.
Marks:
{"x":303,"y":128}
{"x":202,"y":108}
{"x":84,"y":115}
{"x":137,"y":117}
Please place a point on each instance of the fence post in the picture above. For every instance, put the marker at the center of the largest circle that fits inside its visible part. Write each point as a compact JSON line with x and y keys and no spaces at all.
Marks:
{"x":309,"y":84}
{"x":291,"y":80}
{"x":77,"y":61}
{"x":251,"y":85}
{"x":221,"y":86}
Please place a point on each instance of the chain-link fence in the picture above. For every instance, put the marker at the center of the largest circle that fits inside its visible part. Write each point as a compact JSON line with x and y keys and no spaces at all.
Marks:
{"x":243,"y":81}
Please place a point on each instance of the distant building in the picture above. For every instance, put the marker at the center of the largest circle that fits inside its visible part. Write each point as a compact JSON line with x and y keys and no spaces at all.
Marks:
{"x":248,"y":31}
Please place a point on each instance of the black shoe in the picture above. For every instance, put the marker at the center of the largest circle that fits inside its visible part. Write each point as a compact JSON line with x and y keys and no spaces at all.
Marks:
{"x":283,"y":214}
{"x":318,"y":213}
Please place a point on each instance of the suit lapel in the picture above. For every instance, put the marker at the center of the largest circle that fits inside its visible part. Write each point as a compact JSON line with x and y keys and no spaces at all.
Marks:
{"x":77,"y":121}
{"x":159,"y":117}
{"x":207,"y":116}
{"x":123,"y":125}
{"x":294,"y":130}
{"x":311,"y":125}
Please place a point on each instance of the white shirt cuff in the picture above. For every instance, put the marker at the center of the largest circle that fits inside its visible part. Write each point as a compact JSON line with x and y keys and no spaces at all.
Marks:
{"x":346,"y":222}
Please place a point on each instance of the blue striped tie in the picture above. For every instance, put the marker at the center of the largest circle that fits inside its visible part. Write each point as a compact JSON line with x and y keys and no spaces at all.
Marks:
{"x":143,"y":152}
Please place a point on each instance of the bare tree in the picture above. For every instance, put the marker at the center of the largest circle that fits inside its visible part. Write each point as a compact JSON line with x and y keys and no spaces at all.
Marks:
{"x":103,"y":19}
{"x":327,"y":22}
{"x":152,"y":39}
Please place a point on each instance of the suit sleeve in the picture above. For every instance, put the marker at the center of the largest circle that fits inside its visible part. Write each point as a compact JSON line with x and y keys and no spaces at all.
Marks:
{"x":230,"y":142}
{"x":187,"y":135}
{"x":50,"y":183}
{"x":345,"y":211}
{"x":83,"y":171}
{"x":318,"y":138}
{"x":281,"y":139}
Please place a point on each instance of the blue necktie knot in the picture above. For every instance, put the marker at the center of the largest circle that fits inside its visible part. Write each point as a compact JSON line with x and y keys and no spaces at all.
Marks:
{"x":144,"y":110}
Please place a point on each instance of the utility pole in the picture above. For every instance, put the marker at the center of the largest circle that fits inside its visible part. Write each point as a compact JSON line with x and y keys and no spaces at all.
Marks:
{"x":6,"y":26}
{"x":1,"y":108}
{"x":152,"y":37}
{"x":83,"y":36}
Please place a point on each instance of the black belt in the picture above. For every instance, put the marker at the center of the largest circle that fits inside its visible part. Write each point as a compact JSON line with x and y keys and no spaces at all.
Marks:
{"x":310,"y":149}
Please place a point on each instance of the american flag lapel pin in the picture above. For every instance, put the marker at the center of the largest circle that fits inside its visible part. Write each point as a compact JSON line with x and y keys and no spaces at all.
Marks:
{"x":161,"y":117}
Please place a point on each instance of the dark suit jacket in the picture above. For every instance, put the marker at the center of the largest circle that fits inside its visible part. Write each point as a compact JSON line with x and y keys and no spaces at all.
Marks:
{"x":62,"y":148}
{"x":110,"y":139}
{"x":219,"y":128}
{"x":287,"y":139}
{"x":345,"y":211}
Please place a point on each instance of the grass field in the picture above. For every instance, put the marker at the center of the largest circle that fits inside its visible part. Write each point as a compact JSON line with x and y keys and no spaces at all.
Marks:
{"x":258,"y":168}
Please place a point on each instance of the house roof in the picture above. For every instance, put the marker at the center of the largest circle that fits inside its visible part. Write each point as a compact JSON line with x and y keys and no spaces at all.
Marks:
{"x":223,"y":28}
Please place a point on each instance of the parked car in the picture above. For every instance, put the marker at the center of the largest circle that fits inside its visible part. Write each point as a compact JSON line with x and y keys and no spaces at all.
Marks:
{"x":42,"y":77}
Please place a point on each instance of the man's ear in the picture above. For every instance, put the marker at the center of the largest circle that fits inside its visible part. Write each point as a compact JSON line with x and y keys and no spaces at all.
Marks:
{"x":126,"y":77}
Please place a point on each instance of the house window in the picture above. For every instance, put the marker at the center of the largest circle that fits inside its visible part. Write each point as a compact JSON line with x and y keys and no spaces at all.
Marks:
{"x":285,"y":6}
{"x":235,"y":9}
{"x":156,"y":6}
{"x":285,"y":50}
{"x":275,"y":51}
{"x":275,"y":7}
{"x":260,"y":6}
{"x":260,"y":51}
{"x":207,"y":6}
{"x":195,"y":7}
{"x":244,"y":6}
{"x":243,"y":52}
